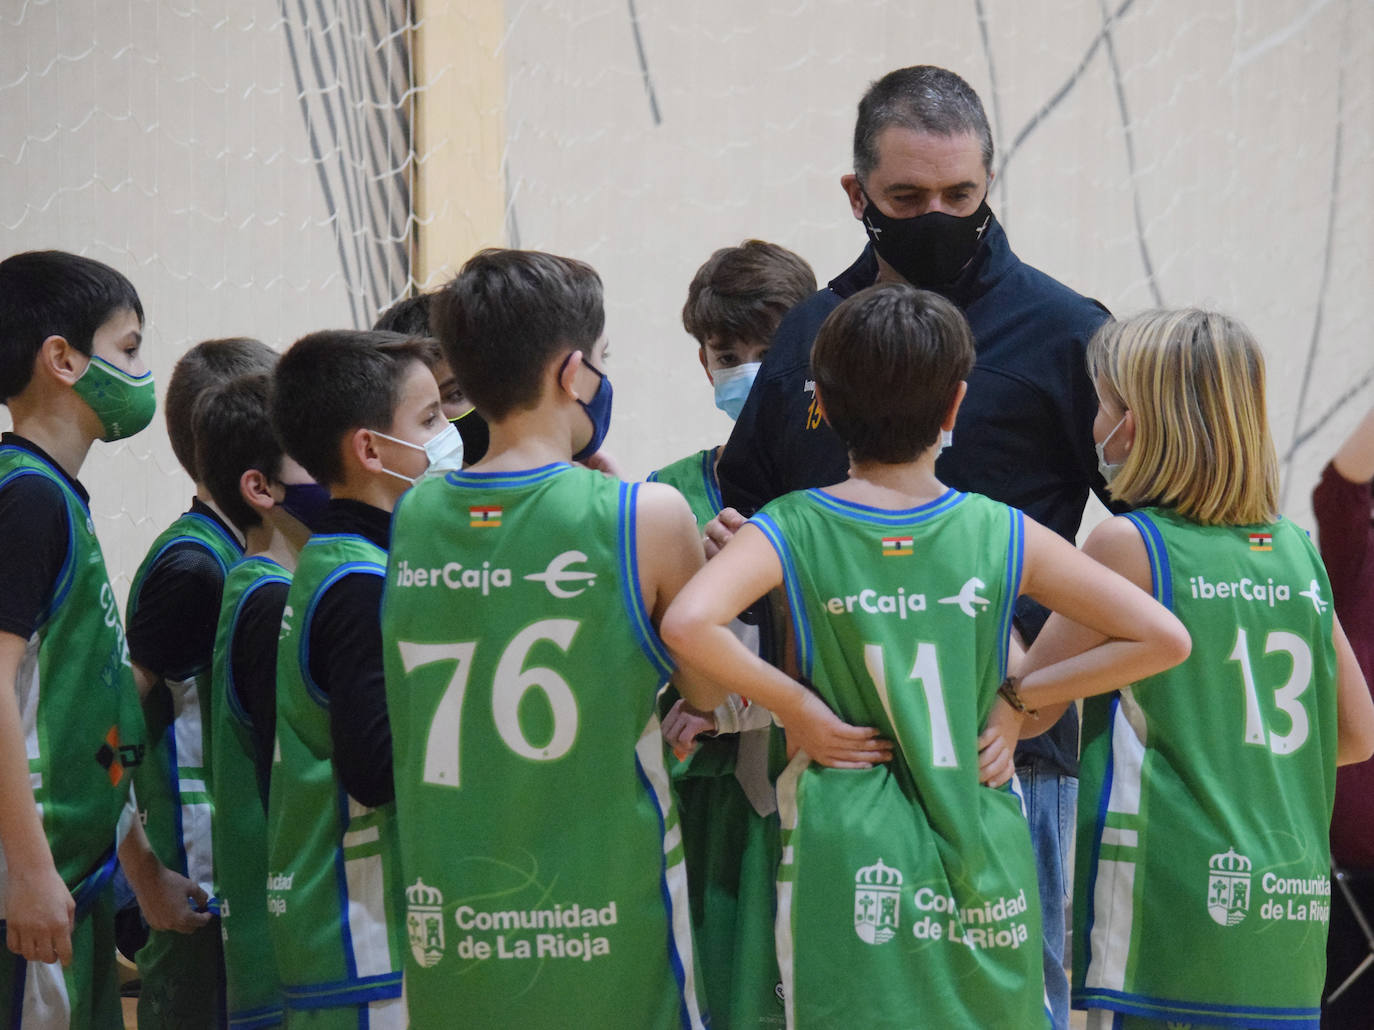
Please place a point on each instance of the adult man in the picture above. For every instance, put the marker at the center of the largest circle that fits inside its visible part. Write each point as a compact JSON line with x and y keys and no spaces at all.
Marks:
{"x":922,"y":170}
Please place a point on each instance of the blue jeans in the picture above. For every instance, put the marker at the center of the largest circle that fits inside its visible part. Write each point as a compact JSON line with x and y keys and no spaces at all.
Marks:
{"x":1051,"y":810}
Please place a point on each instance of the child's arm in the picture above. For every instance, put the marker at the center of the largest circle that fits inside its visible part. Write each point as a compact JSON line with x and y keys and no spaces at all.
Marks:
{"x":669,"y":552}
{"x":696,"y":628}
{"x":39,"y":908}
{"x":1107,"y":631}
{"x":168,"y":900}
{"x":1354,"y":708}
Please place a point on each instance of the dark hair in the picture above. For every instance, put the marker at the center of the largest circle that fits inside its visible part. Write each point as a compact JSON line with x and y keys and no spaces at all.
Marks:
{"x":506,"y":314}
{"x":52,"y":293}
{"x":205,"y":365}
{"x":333,"y":382}
{"x":741,"y":293}
{"x":887,"y":364}
{"x":233,"y":433}
{"x":408,"y":316}
{"x":925,"y":99}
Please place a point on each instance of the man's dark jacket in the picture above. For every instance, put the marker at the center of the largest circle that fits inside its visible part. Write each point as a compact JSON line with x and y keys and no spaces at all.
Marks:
{"x":1023,"y":435}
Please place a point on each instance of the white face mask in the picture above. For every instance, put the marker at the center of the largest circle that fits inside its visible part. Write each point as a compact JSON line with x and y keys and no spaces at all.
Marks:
{"x":444,"y":451}
{"x":1109,"y":469}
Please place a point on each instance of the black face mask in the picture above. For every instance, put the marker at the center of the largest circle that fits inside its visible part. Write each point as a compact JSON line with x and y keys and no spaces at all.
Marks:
{"x":472,"y":427}
{"x":928,"y":250}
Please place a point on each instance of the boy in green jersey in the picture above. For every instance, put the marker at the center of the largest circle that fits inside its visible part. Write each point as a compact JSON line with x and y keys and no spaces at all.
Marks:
{"x":266,"y":496}
{"x":724,"y":794}
{"x":541,"y":856}
{"x":71,"y":733}
{"x":1206,"y":789}
{"x":907,"y":889}
{"x":360,"y":412}
{"x":410,"y":317}
{"x":172,"y":611}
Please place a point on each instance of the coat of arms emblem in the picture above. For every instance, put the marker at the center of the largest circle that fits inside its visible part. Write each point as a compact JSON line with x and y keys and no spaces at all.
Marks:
{"x":1228,"y":888}
{"x":425,"y":922}
{"x":877,"y":903}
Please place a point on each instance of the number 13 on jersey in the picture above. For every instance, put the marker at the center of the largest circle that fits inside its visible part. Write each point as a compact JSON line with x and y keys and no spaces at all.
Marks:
{"x":511,"y":682}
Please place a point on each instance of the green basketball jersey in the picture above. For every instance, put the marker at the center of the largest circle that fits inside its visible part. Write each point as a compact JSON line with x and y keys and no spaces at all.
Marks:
{"x":1206,"y":792}
{"x":540,"y":849}
{"x":695,"y":478}
{"x":78,"y":705}
{"x":330,"y":859}
{"x":252,"y":992}
{"x":171,"y":786}
{"x":731,"y":850}
{"x":907,"y":891}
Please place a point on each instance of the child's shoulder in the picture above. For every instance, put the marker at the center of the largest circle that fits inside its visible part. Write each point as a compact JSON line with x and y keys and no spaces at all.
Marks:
{"x":686,"y":467}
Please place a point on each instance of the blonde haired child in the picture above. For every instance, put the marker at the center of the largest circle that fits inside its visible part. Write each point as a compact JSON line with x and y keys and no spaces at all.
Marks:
{"x":1203,"y":885}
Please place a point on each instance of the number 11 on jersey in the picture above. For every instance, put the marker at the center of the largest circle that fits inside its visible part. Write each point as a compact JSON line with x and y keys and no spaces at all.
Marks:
{"x":926,"y":671}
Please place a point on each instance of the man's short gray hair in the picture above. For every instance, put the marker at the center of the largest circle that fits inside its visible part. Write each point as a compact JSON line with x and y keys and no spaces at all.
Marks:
{"x":923,"y":98}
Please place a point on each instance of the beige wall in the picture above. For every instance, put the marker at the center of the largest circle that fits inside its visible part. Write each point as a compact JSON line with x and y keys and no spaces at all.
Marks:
{"x":170,"y":142}
{"x":1241,"y":117}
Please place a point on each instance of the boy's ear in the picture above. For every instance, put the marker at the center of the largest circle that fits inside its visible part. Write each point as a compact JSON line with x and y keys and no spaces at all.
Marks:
{"x":360,"y":448}
{"x":567,"y":374}
{"x":701,"y":356}
{"x":948,"y":424}
{"x":61,"y":360}
{"x":256,"y":489}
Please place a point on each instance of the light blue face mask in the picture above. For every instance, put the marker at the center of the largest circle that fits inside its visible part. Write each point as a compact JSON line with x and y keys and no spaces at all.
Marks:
{"x":732,"y":387}
{"x":1109,"y":469}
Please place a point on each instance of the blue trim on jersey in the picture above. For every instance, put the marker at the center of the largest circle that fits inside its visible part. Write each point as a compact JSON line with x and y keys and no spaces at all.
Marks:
{"x":341,"y":881}
{"x":256,"y":1019}
{"x":66,"y":575}
{"x":343,"y":993}
{"x":674,"y":959}
{"x":792,"y":583}
{"x":1099,"y":823}
{"x":631,"y":595}
{"x":888,"y":516}
{"x":708,"y":475}
{"x":87,"y":892}
{"x":525,"y":477}
{"x":1250,"y":1017}
{"x":215,"y":527}
{"x":1016,"y":557}
{"x":136,"y":590}
{"x":1160,"y":571}
{"x":231,"y":693}
{"x":303,"y":648}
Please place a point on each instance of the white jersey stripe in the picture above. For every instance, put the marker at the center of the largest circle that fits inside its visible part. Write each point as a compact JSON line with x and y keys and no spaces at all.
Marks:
{"x":1113,"y":916}
{"x":649,"y":750}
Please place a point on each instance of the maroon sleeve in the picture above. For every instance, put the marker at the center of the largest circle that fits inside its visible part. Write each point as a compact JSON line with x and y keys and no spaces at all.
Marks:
{"x":1346,"y":536}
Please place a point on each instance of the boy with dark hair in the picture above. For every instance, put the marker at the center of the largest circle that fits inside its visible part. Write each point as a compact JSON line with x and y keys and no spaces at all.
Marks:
{"x":410,"y":317}
{"x":271,"y":500}
{"x":71,"y":734}
{"x":728,"y":810}
{"x":173,"y":607}
{"x":901,"y":594}
{"x":361,"y":412}
{"x":522,"y":663}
